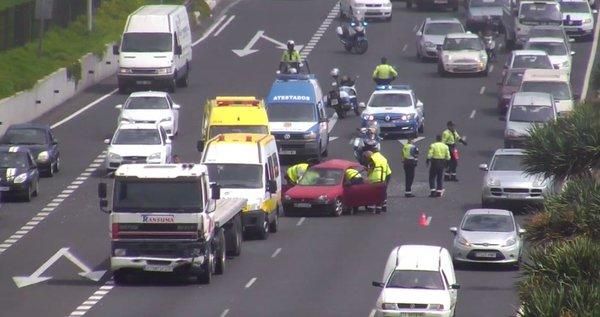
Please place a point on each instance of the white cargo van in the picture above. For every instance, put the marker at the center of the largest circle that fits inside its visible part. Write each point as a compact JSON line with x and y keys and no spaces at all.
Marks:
{"x":155,"y":49}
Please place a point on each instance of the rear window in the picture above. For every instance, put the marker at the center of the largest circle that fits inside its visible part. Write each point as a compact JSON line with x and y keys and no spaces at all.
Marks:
{"x":532,"y":61}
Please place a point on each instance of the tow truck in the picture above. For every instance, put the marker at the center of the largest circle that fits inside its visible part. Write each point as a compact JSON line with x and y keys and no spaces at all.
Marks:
{"x":168,"y":218}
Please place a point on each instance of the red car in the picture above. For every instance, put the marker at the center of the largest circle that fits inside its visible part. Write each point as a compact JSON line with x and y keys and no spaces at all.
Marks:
{"x":508,"y":86}
{"x":323,"y":188}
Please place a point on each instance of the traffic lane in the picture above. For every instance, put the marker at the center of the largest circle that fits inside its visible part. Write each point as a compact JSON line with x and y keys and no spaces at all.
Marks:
{"x":579,"y":64}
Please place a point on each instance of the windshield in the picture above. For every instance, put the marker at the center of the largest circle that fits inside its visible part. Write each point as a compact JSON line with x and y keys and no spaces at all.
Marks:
{"x":486,"y":3}
{"x":137,"y":136}
{"x":415,"y":279}
{"x":236,"y":175}
{"x":458,"y":44}
{"x":291,"y":112}
{"x":146,"y":42}
{"x":443,"y":28}
{"x":390,"y":100}
{"x":158,"y":196}
{"x":488,"y":223}
{"x":529,"y":113}
{"x":559,"y":90}
{"x":13,"y":160}
{"x":221,"y":129}
{"x":540,"y":12}
{"x":507,"y":163}
{"x":514,"y":79}
{"x":575,"y":7}
{"x":551,"y":48}
{"x":321,"y":177}
{"x":532,"y":61}
{"x":24,"y":136}
{"x":137,"y":103}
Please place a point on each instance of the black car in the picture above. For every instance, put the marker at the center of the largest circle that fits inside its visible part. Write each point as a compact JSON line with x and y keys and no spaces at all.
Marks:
{"x":39,"y":139}
{"x":18,"y":172}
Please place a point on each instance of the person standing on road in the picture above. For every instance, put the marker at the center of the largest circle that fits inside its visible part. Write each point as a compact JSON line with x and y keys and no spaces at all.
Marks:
{"x":409,"y":162}
{"x":438,"y":155}
{"x":450,"y":137}
{"x":379,"y":172}
{"x":384,"y":73}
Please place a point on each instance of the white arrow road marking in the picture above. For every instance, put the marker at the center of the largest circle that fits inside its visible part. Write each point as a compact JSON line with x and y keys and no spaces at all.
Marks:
{"x":403,"y":141}
{"x":247,"y":50}
{"x":35,"y":277}
{"x":280,"y":45}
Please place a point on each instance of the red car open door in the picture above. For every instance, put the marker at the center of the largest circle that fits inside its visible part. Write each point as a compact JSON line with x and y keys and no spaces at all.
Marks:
{"x":364,"y":194}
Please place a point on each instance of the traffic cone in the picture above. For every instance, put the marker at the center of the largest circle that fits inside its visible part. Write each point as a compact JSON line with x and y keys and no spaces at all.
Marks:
{"x":423,"y":220}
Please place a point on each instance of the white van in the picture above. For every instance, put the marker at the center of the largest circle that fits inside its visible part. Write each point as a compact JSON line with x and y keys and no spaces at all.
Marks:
{"x":552,"y":81}
{"x":247,"y":166}
{"x":155,"y":49}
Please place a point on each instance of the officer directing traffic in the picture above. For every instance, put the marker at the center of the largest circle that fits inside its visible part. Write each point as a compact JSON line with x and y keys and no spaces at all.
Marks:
{"x":384,"y":73}
{"x":409,"y":162}
{"x":450,"y":136}
{"x":438,"y":155}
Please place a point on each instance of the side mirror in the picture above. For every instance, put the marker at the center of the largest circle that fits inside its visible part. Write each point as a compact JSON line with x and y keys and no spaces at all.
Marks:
{"x":178,"y":50}
{"x":272,"y":186}
{"x":419,"y":33}
{"x":522,"y":231}
{"x":572,"y":53}
{"x":454,"y":230}
{"x":555,"y":66}
{"x":106,"y":141}
{"x":119,"y":107}
{"x":200,"y":146}
{"x":419,"y":104}
{"x":102,"y":190}
{"x":339,"y":30}
{"x":176,"y":107}
{"x":378,"y":284}
{"x":362,"y":105}
{"x":455,"y":286}
{"x":483,"y":167}
{"x":115,"y":49}
{"x":215,"y":191}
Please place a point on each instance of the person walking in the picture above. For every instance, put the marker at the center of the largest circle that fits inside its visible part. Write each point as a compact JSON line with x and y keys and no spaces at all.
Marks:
{"x":437,"y":157}
{"x":450,"y":137}
{"x":384,"y":73}
{"x":409,"y":162}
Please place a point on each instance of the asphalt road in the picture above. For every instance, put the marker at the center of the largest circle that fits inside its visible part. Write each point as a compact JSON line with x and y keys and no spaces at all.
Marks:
{"x":315,"y":266}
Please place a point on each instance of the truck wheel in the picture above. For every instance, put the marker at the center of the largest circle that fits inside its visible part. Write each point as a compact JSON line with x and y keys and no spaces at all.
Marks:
{"x":275,"y":222}
{"x":263,"y":227}
{"x":234,"y":238}
{"x":185,"y":80}
{"x":173,"y":84}
{"x":220,"y":257}
{"x":207,"y":268}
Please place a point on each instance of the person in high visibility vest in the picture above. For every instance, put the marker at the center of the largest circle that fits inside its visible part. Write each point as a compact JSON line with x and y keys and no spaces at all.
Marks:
{"x":353,"y":176}
{"x":438,"y":155}
{"x":409,"y":162}
{"x":295,"y":172}
{"x":290,"y":58}
{"x":379,"y":172}
{"x":384,"y":73}
{"x":450,"y":137}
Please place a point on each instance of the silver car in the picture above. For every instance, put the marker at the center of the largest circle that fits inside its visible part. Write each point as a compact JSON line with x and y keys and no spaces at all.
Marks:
{"x":525,"y":110}
{"x":506,"y":181}
{"x":487,"y":236}
{"x":431,"y":34}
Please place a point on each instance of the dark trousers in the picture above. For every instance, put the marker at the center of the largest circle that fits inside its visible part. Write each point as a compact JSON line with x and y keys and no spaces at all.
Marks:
{"x":436,"y":174}
{"x":383,"y":82}
{"x":409,"y":174}
{"x":453,"y":162}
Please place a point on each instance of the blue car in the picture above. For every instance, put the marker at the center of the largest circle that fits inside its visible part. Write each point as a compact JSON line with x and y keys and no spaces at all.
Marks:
{"x":38,"y":138}
{"x":19,"y":174}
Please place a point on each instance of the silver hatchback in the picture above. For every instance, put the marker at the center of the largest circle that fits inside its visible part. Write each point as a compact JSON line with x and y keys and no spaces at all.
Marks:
{"x":525,"y":110}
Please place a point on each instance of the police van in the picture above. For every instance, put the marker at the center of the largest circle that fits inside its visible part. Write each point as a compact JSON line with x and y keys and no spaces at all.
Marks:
{"x":297,"y":116}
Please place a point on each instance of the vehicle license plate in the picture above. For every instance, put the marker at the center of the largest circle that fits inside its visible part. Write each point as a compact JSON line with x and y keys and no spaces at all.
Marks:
{"x":143,"y":82}
{"x":4,"y":189}
{"x":514,"y":196}
{"x":485,"y":254}
{"x":440,"y":1}
{"x":158,"y":268}
{"x":387,"y":125}
{"x":287,"y":152}
{"x":302,"y":205}
{"x":334,"y":102}
{"x":412,"y":314}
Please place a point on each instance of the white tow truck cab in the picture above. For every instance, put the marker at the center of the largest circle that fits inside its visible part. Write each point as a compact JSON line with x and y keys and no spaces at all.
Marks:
{"x":169,"y":218}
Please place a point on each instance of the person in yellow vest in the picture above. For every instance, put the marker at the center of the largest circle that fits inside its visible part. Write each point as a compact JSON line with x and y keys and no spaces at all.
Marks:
{"x":290,"y":58}
{"x":438,"y":155}
{"x":379,"y":172}
{"x":384,"y":73}
{"x":295,"y":172}
{"x":409,"y":162}
{"x":353,"y":176}
{"x":450,"y":137}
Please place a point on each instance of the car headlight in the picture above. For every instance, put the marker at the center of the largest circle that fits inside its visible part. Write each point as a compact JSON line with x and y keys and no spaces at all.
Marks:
{"x":124,"y":70}
{"x":493,"y":181}
{"x":506,"y":96}
{"x":310,"y":135}
{"x":407,"y":117}
{"x":463,"y":241}
{"x":154,"y":157}
{"x":287,"y":197}
{"x":387,"y":4}
{"x":167,"y":119}
{"x":510,"y":242}
{"x":587,"y":21}
{"x":436,"y":306}
{"x":389,"y":306}
{"x":323,"y":198}
{"x":565,"y":64}
{"x":428,"y":44}
{"x":114,"y":156}
{"x":446,"y":57}
{"x":43,"y":157}
{"x":120,"y":252}
{"x":540,"y":182}
{"x":163,"y":70}
{"x":511,"y":133}
{"x":20,"y":178}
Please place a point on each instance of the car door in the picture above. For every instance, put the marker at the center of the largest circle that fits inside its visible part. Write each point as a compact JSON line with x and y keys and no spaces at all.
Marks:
{"x":32,"y":171}
{"x":419,"y":36}
{"x":363,"y":194}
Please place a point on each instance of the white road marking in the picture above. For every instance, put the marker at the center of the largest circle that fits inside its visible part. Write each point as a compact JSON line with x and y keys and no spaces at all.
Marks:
{"x":276,"y":252}
{"x":491,"y":68}
{"x":78,"y":112}
{"x":225,"y":312}
{"x":93,"y":300}
{"x":404,"y":47}
{"x":224,"y":26}
{"x":250,"y":282}
{"x":372,"y":314}
{"x":415,"y":28}
{"x":403,"y":141}
{"x":590,"y":65}
{"x":301,"y":221}
{"x":332,"y":121}
{"x":473,"y":114}
{"x":482,"y":90}
{"x":209,"y":31}
{"x":321,"y":30}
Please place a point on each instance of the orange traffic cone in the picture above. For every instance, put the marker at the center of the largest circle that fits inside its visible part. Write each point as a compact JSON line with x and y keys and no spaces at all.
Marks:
{"x":423,"y":220}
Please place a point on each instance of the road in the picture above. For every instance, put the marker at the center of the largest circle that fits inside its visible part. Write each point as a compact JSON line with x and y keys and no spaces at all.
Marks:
{"x":316,"y":266}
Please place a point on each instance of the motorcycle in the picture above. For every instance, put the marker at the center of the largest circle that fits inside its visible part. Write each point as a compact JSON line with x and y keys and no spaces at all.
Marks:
{"x":367,"y":140}
{"x":342,"y":97}
{"x":353,"y":37}
{"x":490,"y":46}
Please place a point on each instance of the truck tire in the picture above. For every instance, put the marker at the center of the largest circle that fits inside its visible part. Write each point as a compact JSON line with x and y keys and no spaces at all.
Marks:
{"x":233,"y":237}
{"x":205,"y":274}
{"x":274,"y":223}
{"x":220,"y":258}
{"x":262,"y":229}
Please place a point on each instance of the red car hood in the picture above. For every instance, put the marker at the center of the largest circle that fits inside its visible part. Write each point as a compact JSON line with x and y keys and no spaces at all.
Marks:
{"x":313,"y":192}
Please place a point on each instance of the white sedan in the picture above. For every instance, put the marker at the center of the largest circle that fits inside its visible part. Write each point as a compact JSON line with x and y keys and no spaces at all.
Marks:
{"x":151,"y":107}
{"x":557,"y":50}
{"x":370,"y":9}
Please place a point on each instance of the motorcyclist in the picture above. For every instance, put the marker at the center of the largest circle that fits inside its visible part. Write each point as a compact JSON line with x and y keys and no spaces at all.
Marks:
{"x":346,"y":81}
{"x":290,"y":58}
{"x":487,"y":33}
{"x":348,"y":28}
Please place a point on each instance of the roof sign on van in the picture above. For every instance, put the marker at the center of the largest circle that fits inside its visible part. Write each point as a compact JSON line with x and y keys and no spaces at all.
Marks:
{"x":225,"y":103}
{"x":291,"y":98}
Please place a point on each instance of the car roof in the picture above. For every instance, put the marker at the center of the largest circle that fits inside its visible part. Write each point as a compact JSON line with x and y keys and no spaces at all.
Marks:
{"x":529,"y":52}
{"x":586,"y":1}
{"x":462,"y":35}
{"x":488,"y":211}
{"x":130,"y":126}
{"x":149,"y":93}
{"x":396,"y":89}
{"x":337,"y":164}
{"x":442,"y":20}
{"x":418,"y":257}
{"x":545,"y":39}
{"x":532,"y":98}
{"x":13,"y":149}
{"x":30,"y":125}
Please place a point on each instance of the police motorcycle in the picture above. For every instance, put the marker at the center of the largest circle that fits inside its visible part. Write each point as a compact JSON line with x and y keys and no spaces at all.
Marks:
{"x":368,"y":139}
{"x":342,"y":97}
{"x":353,"y":36}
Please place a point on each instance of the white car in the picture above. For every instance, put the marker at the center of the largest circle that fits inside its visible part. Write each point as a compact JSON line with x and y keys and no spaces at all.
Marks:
{"x":578,"y":18}
{"x":418,"y":280}
{"x":134,"y":143}
{"x":557,"y":50}
{"x":370,"y":9}
{"x":462,"y":53}
{"x":527,"y":59}
{"x":151,"y":107}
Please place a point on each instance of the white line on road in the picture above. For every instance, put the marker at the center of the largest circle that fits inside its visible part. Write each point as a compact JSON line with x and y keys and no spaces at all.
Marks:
{"x":415,"y":28}
{"x":332,"y":121}
{"x":93,"y":299}
{"x":276,"y":252}
{"x":590,"y":65}
{"x":301,"y":221}
{"x":473,"y":114}
{"x":209,"y":31}
{"x":225,"y":312}
{"x":491,"y":68}
{"x":250,"y":282}
{"x":372,"y":314}
{"x":78,"y":112}
{"x":404,"y":47}
{"x":482,"y":90}
{"x":322,"y":28}
{"x":224,"y":26}
{"x":428,"y":220}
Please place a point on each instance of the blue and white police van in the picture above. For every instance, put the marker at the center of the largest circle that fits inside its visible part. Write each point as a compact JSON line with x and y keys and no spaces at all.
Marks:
{"x":396,"y":110}
{"x":297,"y":116}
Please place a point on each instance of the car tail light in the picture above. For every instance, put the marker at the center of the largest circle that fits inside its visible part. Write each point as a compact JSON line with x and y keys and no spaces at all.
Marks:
{"x":115,"y":231}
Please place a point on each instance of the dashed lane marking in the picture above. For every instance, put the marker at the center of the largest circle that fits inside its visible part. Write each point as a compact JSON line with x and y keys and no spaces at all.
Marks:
{"x":590,"y":65}
{"x":276,"y":252}
{"x":473,"y":114}
{"x":301,"y":221}
{"x":482,"y":90}
{"x":93,"y":299}
{"x":491,"y":69}
{"x":225,"y":312}
{"x":404,"y":47}
{"x":250,"y":282}
{"x":40,"y":216}
{"x":321,"y":30}
{"x":415,"y":27}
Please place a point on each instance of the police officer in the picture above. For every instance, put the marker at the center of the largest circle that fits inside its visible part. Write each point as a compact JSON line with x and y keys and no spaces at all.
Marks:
{"x":438,"y":155}
{"x":290,"y":57}
{"x":409,"y":162}
{"x":295,"y":172}
{"x":450,"y":137}
{"x":379,"y":172}
{"x":353,"y":176}
{"x":384,"y":73}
